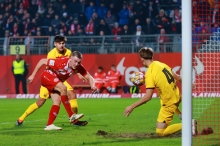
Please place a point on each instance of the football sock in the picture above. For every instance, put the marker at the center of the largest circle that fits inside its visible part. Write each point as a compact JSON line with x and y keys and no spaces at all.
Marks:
{"x":178,"y":112}
{"x":169,"y":130}
{"x":66,"y":104}
{"x":29,"y":110}
{"x":53,"y":114}
{"x":74,"y":105}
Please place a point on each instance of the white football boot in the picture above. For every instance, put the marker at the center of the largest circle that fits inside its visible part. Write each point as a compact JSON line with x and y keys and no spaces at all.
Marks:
{"x":75,"y":117}
{"x":52,"y":127}
{"x":194,"y":127}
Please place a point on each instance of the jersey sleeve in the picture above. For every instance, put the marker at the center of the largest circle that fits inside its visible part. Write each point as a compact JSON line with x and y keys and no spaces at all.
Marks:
{"x":80,"y":69}
{"x":149,"y":81}
{"x":52,"y":63}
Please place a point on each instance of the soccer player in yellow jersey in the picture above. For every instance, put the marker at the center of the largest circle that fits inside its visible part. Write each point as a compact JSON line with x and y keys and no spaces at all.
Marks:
{"x":69,"y":104}
{"x":161,"y":77}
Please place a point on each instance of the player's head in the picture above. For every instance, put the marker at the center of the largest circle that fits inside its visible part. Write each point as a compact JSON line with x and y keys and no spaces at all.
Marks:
{"x":75,"y":59}
{"x":146,"y":54}
{"x":59,"y":42}
{"x":100,"y":69}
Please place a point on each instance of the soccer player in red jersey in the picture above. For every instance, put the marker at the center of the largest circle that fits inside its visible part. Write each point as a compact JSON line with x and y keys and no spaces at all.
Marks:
{"x":100,"y":78}
{"x":59,"y":70}
{"x":113,"y":78}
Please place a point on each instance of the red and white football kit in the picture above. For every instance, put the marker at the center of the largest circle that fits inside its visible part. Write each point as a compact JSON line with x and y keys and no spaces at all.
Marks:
{"x":113,"y":79}
{"x":100,"y":79}
{"x":58,"y":70}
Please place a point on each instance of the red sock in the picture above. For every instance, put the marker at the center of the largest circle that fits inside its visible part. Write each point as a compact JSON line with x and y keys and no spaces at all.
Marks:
{"x":66,"y":104}
{"x":53,"y":114}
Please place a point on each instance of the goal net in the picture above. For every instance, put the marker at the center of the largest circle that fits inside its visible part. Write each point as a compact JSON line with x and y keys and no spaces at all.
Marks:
{"x":206,"y":71}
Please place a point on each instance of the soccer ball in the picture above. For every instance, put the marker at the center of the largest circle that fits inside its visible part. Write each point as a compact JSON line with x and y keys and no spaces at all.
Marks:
{"x":137,"y":78}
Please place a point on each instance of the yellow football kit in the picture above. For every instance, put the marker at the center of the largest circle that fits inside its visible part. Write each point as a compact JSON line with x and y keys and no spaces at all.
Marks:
{"x":53,"y":54}
{"x":159,"y":76}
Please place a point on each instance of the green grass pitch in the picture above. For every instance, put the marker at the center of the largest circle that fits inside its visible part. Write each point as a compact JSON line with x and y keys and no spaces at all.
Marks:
{"x":102,"y":114}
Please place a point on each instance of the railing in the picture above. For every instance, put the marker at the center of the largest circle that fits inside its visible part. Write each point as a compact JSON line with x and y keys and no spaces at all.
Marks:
{"x":105,"y":44}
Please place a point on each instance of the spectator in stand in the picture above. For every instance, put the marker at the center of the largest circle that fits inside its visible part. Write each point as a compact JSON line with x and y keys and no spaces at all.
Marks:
{"x":90,"y":10}
{"x":176,"y":16}
{"x":33,"y":26}
{"x":29,"y":40}
{"x":82,"y":20}
{"x":61,"y":32}
{"x":204,"y":9}
{"x":50,"y":31}
{"x":2,"y":31}
{"x":100,"y":79}
{"x":162,"y":40}
{"x":63,"y":27}
{"x":74,"y":8}
{"x":138,"y":39}
{"x":40,"y":30}
{"x":57,"y":5}
{"x":69,"y":21}
{"x":14,"y":31}
{"x":56,"y":22}
{"x":51,"y":12}
{"x":160,"y":20}
{"x":125,"y":31}
{"x":102,"y":10}
{"x":63,"y":10}
{"x":90,"y":28}
{"x":216,"y":14}
{"x":138,"y":10}
{"x":64,"y":17}
{"x":202,"y":25}
{"x":113,"y":10}
{"x":47,"y":20}
{"x":103,"y":27}
{"x":151,"y":10}
{"x":116,"y":31}
{"x":149,"y":27}
{"x":134,"y":26}
{"x":91,"y":42}
{"x":196,"y":19}
{"x":195,"y":32}
{"x":124,"y":16}
{"x":110,"y":19}
{"x":41,"y":10}
{"x":215,"y":28}
{"x":95,"y":19}
{"x":203,"y":37}
{"x":75,"y":26}
{"x":69,"y":33}
{"x":38,"y":19}
{"x":113,"y":79}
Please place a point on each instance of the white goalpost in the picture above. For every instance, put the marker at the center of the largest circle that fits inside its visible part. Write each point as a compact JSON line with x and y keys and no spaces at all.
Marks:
{"x":187,"y":73}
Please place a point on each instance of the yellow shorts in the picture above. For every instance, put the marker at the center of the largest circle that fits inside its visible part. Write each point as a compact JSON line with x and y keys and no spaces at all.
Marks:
{"x":44,"y":93}
{"x":166,"y":113}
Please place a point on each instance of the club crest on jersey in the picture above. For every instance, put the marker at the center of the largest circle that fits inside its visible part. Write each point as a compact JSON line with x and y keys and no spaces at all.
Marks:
{"x":51,"y":62}
{"x":56,"y":80}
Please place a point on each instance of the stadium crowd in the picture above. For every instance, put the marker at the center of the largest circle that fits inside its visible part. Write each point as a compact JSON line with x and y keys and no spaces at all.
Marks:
{"x":105,"y":17}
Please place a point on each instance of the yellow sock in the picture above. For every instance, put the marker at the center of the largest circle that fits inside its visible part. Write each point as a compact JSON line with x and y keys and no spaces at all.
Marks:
{"x":169,"y":130}
{"x":74,"y":105}
{"x":29,"y":110}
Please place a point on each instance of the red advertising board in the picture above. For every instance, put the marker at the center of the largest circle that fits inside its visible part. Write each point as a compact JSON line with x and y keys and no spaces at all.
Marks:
{"x":125,"y":63}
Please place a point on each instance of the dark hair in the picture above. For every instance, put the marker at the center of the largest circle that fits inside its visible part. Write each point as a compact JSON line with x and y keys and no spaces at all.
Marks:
{"x":59,"y":38}
{"x":100,"y":68}
{"x":77,"y":54}
{"x":146,"y":53}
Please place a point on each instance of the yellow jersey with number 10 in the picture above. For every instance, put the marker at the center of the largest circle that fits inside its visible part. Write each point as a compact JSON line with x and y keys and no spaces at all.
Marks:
{"x":159,"y":76}
{"x":53,"y":54}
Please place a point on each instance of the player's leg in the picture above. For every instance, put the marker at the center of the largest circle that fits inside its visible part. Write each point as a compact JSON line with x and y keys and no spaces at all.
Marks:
{"x":24,"y":84}
{"x":62,"y":89}
{"x":73,"y":103}
{"x":108,"y":86}
{"x":114,"y":87}
{"x":53,"y":112}
{"x":17,"y":81}
{"x":44,"y":95}
{"x":165,"y":117}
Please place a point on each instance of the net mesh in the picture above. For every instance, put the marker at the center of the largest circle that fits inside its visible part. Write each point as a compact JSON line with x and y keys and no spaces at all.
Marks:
{"x":206,"y":71}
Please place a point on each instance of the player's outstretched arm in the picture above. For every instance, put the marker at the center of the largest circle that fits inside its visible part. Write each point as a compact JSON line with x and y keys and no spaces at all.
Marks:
{"x":91,"y":82}
{"x":38,"y":66}
{"x":82,"y":77}
{"x":177,"y":77}
{"x":146,"y":98}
